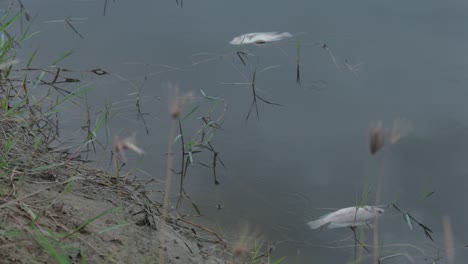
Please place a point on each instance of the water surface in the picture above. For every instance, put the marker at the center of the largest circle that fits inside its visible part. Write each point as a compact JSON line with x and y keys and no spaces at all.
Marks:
{"x":312,"y":152}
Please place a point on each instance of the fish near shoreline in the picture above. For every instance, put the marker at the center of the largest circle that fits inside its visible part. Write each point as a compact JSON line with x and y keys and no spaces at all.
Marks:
{"x":348,"y":217}
{"x":259,"y":38}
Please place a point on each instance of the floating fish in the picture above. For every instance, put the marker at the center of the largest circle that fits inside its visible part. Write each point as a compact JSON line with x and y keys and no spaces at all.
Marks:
{"x":348,"y":217}
{"x":259,"y":38}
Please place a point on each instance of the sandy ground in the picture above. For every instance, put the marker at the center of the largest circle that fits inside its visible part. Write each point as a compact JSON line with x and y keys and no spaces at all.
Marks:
{"x":121,"y":228}
{"x":54,"y":210}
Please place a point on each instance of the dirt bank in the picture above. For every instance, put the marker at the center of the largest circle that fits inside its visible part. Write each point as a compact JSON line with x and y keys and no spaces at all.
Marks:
{"x":55,"y":210}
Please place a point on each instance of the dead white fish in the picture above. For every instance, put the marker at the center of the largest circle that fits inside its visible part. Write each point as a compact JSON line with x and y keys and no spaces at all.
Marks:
{"x":348,"y":217}
{"x":259,"y":38}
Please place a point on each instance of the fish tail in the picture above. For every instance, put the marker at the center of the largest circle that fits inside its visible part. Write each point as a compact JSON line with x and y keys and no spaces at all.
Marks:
{"x":317,"y":223}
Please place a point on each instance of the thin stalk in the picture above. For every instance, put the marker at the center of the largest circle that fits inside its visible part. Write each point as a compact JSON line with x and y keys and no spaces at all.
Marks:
{"x":169,"y":164}
{"x":378,"y":194}
{"x":183,"y":167}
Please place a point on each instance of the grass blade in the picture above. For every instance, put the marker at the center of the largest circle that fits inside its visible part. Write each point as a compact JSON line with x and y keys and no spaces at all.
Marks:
{"x":63,"y":56}
{"x":50,"y":249}
{"x":89,"y":221}
{"x":190,"y":113}
{"x":113,"y":227}
{"x":46,"y":167}
{"x":408,"y":221}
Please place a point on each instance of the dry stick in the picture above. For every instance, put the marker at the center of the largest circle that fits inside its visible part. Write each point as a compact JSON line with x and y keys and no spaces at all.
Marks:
{"x":214,"y":161}
{"x":169,"y":164}
{"x":183,"y":166}
{"x":105,"y":8}
{"x":239,"y":54}
{"x":215,"y":158}
{"x":254,"y":95}
{"x":325,"y":46}
{"x":115,"y":161}
{"x":88,"y":129}
{"x":298,"y":70}
{"x":67,"y":21}
{"x":356,"y":242}
{"x":140,"y":113}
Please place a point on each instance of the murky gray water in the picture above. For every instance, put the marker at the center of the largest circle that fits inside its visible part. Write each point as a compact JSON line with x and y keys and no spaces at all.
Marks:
{"x":312,"y":153}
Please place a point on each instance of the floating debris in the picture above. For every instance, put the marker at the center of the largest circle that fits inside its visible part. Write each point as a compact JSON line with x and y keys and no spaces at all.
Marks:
{"x":259,"y":38}
{"x":348,"y":217}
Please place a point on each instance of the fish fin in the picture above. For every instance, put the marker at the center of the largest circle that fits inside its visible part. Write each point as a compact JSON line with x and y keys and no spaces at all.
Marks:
{"x":317,"y":223}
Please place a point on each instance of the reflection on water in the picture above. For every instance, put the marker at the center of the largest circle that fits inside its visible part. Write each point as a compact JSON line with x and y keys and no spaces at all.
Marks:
{"x":376,"y":61}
